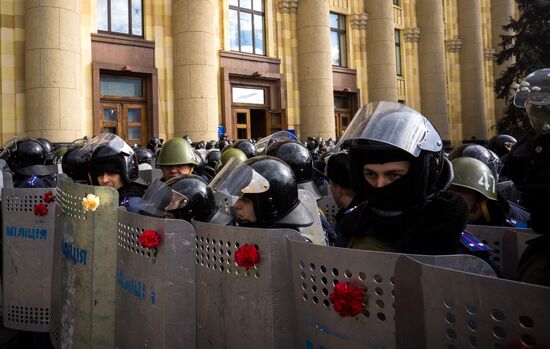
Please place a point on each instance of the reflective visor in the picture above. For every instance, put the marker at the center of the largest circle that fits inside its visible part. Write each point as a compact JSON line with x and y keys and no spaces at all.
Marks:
{"x":279,"y":136}
{"x":394,"y":124}
{"x":160,"y":198}
{"x":109,"y":140}
{"x":237,"y":179}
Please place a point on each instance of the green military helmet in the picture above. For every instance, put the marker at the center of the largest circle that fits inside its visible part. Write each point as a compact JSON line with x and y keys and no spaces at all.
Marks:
{"x":177,"y":151}
{"x":473,"y":174}
{"x":231,"y":153}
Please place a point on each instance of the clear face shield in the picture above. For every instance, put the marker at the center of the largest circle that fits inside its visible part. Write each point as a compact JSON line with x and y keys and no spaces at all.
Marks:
{"x":533,"y":94}
{"x":11,"y":145}
{"x":159,"y":199}
{"x":237,"y":179}
{"x":394,"y":124}
{"x":109,"y":140}
{"x":279,"y":136}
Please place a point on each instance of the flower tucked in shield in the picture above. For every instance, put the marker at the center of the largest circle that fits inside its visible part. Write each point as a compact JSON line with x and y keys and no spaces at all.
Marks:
{"x":247,"y":256}
{"x":149,"y":239}
{"x":90,"y":202}
{"x":48,"y":197}
{"x":348,"y":300}
{"x":40,"y":209}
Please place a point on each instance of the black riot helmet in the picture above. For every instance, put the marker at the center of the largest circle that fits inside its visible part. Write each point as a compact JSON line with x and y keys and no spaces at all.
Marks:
{"x":75,"y":165}
{"x":110,"y":153}
{"x":154,"y":145}
{"x":246,"y":147}
{"x":222,"y":144}
{"x":295,"y":155}
{"x":382,"y":132}
{"x":211,"y":145}
{"x":481,"y":153}
{"x":48,"y":150}
{"x":144,"y":156}
{"x":25,"y":157}
{"x":271,"y":186}
{"x":200,"y":203}
{"x":213,"y":158}
{"x":501,"y":144}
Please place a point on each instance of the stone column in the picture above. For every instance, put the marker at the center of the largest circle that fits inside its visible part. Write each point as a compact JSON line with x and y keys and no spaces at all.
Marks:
{"x":474,"y":122}
{"x":431,"y":48}
{"x":315,"y":69}
{"x":501,"y":11}
{"x":195,"y":78}
{"x":53,"y":77}
{"x":381,"y":67}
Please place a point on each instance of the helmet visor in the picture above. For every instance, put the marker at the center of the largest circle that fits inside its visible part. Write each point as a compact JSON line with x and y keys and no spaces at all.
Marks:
{"x":539,"y":115}
{"x":279,"y":136}
{"x":236,"y":179}
{"x":160,"y":198}
{"x":535,"y":87}
{"x":11,"y":145}
{"x":109,"y":140}
{"x":394,"y":124}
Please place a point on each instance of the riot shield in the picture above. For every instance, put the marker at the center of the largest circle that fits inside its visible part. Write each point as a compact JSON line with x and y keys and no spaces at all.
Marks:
{"x":28,"y":217}
{"x":83,"y":278}
{"x":7,"y":179}
{"x":442,"y":308}
{"x":507,"y":245}
{"x":330,"y":208}
{"x":316,"y":270}
{"x":155,"y":286}
{"x":148,"y":176}
{"x":236,"y":306}
{"x":314,"y":232}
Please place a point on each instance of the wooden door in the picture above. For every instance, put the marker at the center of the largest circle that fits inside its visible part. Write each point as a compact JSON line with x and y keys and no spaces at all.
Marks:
{"x":241,"y":120}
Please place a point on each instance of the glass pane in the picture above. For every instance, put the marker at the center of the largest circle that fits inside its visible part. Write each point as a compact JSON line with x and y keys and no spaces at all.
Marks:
{"x":109,"y":130}
{"x":102,"y":19}
{"x":335,"y":48}
{"x":341,"y":102}
{"x":248,"y":95}
{"x":342,"y":22}
{"x":233,"y":30}
{"x":343,"y":50}
{"x":258,"y":5}
{"x":233,"y":2}
{"x":137,"y":18}
{"x":241,"y":118}
{"x":345,"y":121}
{"x":134,"y":115}
{"x":110,"y":114}
{"x":246,"y":32}
{"x":241,"y":133}
{"x":111,"y":86}
{"x":120,"y":16}
{"x":258,"y":35}
{"x":246,"y":4}
{"x":334,"y":20}
{"x":397,"y":37}
{"x":134,"y":132}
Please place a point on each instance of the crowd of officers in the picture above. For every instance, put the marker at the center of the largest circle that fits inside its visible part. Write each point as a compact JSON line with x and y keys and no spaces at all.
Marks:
{"x":396,"y":187}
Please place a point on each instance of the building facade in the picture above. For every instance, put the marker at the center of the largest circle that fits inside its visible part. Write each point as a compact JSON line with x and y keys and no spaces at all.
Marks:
{"x":143,"y":68}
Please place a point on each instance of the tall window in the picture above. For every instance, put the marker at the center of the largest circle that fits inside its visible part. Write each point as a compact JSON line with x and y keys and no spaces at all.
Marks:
{"x":246,"y":26}
{"x":338,"y":39}
{"x":121,"y":17}
{"x":398,"y":64}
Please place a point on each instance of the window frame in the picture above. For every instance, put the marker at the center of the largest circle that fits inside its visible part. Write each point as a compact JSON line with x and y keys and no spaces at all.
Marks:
{"x":110,"y":32}
{"x":398,"y":53}
{"x":343,"y":59}
{"x":252,"y":13}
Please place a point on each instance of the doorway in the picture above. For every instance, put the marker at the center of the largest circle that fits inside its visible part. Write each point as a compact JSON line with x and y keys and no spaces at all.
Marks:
{"x":251,"y":123}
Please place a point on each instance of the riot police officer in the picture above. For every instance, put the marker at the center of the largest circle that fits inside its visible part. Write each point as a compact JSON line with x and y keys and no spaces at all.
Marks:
{"x":176,"y":157}
{"x":146,"y":158}
{"x":226,"y":155}
{"x":337,"y":170}
{"x":528,"y":165}
{"x":27,"y":158}
{"x":501,"y":144}
{"x":397,"y":162}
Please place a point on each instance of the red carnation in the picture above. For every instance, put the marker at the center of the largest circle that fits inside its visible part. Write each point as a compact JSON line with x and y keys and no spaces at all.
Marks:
{"x":40,"y":209}
{"x":149,"y":239}
{"x":247,"y":256}
{"x":348,"y":300}
{"x":48,"y":197}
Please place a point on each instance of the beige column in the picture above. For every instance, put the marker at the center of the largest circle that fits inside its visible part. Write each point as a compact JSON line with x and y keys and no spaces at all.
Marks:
{"x":315,"y":69}
{"x":501,"y":11}
{"x":195,"y":78}
{"x":474,"y":124}
{"x":53,"y":79}
{"x":431,"y":52}
{"x":381,"y":51}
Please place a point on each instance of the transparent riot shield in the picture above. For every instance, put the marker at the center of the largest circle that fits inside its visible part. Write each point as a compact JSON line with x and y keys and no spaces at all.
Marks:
{"x":148,"y":176}
{"x":7,"y":179}
{"x":316,"y":270}
{"x":28,"y":217}
{"x":330,"y":208}
{"x":155,"y":286}
{"x":314,"y":232}
{"x":236,"y":306}
{"x":507,"y":245}
{"x":83,"y":279}
{"x":442,"y":308}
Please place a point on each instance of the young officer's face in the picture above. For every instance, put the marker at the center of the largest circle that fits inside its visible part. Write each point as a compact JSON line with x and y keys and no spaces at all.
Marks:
{"x":171,"y":171}
{"x":244,"y":210}
{"x":380,"y":175}
{"x":109,"y":179}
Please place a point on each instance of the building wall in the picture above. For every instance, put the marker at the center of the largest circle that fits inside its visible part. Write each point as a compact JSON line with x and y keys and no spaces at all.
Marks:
{"x":281,"y":44}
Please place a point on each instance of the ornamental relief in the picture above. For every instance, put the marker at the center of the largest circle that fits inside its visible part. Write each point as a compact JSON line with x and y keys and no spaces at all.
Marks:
{"x":358,"y":20}
{"x":411,"y":34}
{"x":453,"y":45}
{"x":288,"y":5}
